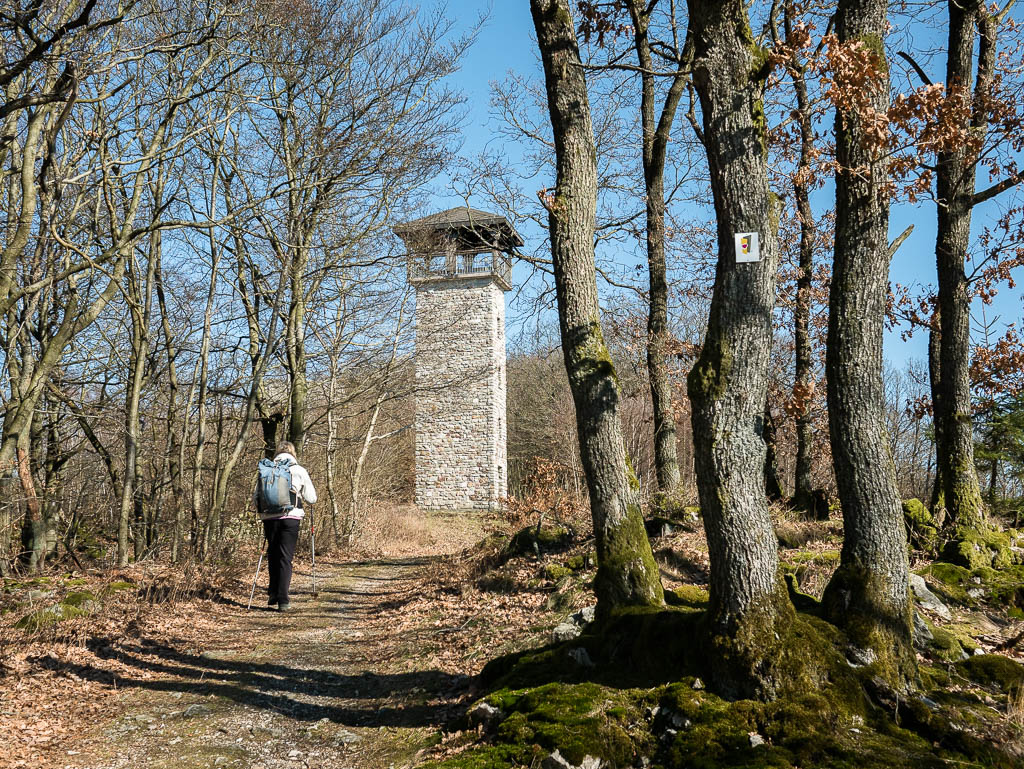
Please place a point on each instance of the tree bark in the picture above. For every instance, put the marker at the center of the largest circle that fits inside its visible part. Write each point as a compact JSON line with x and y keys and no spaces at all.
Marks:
{"x":295,"y":345}
{"x":938,"y":501}
{"x":804,"y":364}
{"x":868,"y":593}
{"x":772,"y":481}
{"x":31,"y":531}
{"x":627,"y":574}
{"x":954,"y":186}
{"x":750,"y":616}
{"x":175,"y":444}
{"x":656,"y":135}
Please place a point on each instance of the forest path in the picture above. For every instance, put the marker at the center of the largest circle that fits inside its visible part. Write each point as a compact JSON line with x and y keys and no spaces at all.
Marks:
{"x":322,"y":686}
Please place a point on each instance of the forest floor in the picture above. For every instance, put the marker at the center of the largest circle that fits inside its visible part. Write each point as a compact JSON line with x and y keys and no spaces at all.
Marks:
{"x":159,"y":666}
{"x":364,"y":674}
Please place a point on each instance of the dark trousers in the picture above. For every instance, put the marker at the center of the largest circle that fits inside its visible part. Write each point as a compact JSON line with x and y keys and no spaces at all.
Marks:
{"x":281,"y":534}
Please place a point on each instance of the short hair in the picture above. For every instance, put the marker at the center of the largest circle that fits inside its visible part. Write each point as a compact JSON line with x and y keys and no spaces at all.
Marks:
{"x":286,"y":447}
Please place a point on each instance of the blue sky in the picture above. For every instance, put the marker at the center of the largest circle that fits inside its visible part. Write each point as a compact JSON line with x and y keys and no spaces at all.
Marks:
{"x":505,"y":43}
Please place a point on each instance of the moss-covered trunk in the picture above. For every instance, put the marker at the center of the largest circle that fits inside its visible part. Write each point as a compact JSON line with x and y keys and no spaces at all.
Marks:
{"x":868,"y":593}
{"x":749,"y":613}
{"x":627,"y":574}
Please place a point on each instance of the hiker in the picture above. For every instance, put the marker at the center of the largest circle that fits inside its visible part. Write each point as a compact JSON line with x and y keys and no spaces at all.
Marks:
{"x":282,"y":488}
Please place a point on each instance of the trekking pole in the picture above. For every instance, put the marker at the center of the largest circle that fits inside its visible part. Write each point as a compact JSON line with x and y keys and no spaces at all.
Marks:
{"x":255,"y":577}
{"x":312,"y":543}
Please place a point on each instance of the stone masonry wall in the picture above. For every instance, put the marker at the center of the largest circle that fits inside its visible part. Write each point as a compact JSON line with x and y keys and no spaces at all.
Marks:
{"x":461,"y":450}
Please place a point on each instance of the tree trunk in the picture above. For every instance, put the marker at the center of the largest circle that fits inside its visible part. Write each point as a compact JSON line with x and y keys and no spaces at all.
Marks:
{"x":656,"y":134}
{"x":269,"y":423}
{"x":772,"y":482}
{"x":954,"y":186}
{"x":140,"y":299}
{"x":750,"y":616}
{"x":31,"y":530}
{"x":627,"y":574}
{"x":938,"y":501}
{"x":201,"y":398}
{"x":330,"y":449}
{"x":868,"y":593}
{"x":175,"y":445}
{"x":295,"y":344}
{"x":803,"y":384}
{"x":357,"y":472}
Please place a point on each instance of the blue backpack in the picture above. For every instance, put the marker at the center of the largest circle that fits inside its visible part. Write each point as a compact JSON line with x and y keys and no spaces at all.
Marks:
{"x":275,"y":488}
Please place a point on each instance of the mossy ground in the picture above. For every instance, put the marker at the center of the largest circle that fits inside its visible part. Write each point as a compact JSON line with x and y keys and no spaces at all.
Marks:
{"x":647,"y":695}
{"x":617,"y":711}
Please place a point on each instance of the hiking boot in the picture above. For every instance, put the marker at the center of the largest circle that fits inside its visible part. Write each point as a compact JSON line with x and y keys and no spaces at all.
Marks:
{"x":284,"y":607}
{"x":272,"y":601}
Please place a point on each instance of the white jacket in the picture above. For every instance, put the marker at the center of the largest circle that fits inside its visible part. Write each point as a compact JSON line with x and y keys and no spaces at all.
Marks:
{"x":302,"y":487}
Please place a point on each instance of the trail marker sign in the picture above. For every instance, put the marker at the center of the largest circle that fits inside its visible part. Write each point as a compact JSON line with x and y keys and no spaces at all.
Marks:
{"x":748,"y":247}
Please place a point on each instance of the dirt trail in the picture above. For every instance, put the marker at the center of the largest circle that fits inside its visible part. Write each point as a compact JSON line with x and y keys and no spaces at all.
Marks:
{"x":323,"y":686}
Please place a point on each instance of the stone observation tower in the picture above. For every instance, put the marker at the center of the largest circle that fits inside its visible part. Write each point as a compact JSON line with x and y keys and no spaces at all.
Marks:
{"x":458,"y":261}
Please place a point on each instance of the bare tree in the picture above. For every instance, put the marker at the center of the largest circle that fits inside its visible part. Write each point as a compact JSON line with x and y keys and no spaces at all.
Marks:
{"x":867,"y":595}
{"x":627,"y":574}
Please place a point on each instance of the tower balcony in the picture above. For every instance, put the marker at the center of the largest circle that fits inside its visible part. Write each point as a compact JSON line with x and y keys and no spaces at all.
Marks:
{"x":455,"y":265}
{"x":460,"y":243}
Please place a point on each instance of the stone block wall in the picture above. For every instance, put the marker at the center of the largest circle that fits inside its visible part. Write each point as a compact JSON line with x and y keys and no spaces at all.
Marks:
{"x":461,"y":450}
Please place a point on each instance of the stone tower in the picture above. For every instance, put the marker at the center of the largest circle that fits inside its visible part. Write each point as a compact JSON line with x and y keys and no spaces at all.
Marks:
{"x":458,"y":262}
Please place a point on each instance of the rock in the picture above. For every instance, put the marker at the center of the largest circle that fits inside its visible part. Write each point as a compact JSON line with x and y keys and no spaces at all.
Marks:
{"x":573,"y":626}
{"x":346,"y":737}
{"x":557,"y":761}
{"x":484,"y":714}
{"x":930,"y":704}
{"x":858,"y":657}
{"x":195,"y":710}
{"x":679,"y":721}
{"x":698,"y":684}
{"x":923,"y":635}
{"x":37,"y":595}
{"x":756,"y":739}
{"x":566,"y":631}
{"x":584,"y":616}
{"x":581,"y":657}
{"x":221,"y":760}
{"x":927,"y":599}
{"x":294,"y":755}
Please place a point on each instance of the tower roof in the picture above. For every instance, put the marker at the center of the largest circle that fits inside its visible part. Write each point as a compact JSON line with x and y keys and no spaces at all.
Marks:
{"x":470,"y":227}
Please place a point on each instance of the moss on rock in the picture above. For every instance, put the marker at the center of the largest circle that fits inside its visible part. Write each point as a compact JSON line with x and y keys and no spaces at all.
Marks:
{"x":979,"y":548}
{"x":118,"y":587}
{"x":534,"y":540}
{"x":81,"y":599}
{"x":556,"y":571}
{"x":993,"y":670}
{"x":922,"y":532}
{"x":48,"y":617}
{"x":690,"y":596}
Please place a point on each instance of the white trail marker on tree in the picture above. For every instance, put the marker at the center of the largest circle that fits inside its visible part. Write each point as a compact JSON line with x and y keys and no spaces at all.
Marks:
{"x":748,"y":247}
